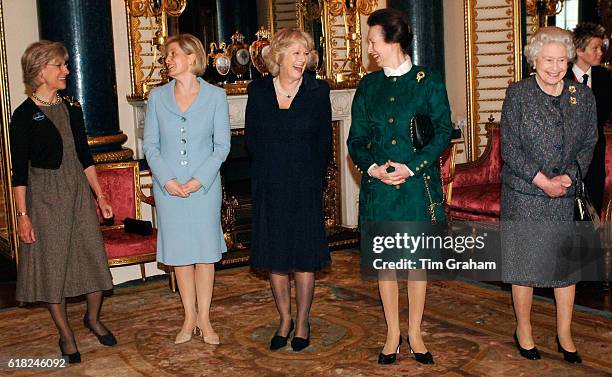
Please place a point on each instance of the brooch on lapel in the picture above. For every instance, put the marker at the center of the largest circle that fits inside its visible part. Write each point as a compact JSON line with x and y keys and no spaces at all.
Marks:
{"x":71,"y":101}
{"x":420,"y":75}
{"x":572,"y":90}
{"x":38,"y":116}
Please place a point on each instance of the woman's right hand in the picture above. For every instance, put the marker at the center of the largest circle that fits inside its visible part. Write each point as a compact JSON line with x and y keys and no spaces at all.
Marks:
{"x":175,"y":188}
{"x":25,"y":229}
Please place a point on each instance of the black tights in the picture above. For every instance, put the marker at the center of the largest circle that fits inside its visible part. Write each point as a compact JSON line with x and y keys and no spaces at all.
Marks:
{"x":281,"y":289}
{"x":59,"y":315}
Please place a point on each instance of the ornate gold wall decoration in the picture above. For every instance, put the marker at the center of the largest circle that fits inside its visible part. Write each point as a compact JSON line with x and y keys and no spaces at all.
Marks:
{"x":493,"y":61}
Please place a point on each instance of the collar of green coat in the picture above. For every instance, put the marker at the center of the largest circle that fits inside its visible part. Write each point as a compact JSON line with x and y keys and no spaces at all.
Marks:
{"x":410,"y":75}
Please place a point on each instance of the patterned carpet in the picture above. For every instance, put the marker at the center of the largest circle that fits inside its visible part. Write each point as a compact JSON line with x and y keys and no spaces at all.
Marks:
{"x":467,"y":328}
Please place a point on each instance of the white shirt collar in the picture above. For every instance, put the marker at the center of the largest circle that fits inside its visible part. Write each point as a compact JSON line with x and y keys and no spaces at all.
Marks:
{"x":404,"y":68}
{"x":578,"y":73}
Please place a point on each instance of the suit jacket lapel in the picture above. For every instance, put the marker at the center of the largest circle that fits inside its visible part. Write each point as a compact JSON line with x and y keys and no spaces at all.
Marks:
{"x":169,"y":100}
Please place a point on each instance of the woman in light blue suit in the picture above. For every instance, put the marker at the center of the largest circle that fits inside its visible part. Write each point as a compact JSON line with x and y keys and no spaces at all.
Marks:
{"x":186,"y":139}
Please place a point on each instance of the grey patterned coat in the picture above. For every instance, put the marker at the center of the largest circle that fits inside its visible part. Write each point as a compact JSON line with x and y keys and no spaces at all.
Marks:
{"x":542,"y":133}
{"x":536,"y":137}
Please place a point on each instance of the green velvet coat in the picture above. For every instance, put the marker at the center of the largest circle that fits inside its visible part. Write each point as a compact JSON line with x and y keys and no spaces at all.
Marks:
{"x":380,"y":131}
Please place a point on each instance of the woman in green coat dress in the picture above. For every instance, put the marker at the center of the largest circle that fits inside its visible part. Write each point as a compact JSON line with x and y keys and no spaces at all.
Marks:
{"x":393,"y":171}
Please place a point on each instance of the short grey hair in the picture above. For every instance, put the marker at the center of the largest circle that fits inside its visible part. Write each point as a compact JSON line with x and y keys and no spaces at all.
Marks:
{"x":546,"y":35}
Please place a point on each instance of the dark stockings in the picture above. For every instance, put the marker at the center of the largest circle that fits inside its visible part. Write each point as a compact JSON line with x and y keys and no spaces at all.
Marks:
{"x":60,"y":318}
{"x":281,"y":289}
{"x":304,"y":286}
{"x":94,"y":304}
{"x":59,"y":315}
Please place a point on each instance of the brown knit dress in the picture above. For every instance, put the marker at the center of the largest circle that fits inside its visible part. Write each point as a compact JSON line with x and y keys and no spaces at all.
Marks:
{"x":68,"y":257}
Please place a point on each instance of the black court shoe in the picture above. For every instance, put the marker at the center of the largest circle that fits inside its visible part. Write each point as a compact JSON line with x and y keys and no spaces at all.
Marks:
{"x":278,"y":341}
{"x":108,"y":339}
{"x":72,"y":358}
{"x":298,"y":344}
{"x":570,"y":357}
{"x":390,"y":358}
{"x":531,"y":354}
{"x":423,"y":358}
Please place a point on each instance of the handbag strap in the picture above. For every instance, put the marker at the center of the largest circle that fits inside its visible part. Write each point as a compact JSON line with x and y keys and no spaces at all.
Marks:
{"x":579,"y":171}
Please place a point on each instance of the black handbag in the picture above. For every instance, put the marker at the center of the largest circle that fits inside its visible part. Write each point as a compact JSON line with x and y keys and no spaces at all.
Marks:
{"x":421,"y":131}
{"x":135,"y":226}
{"x":583,"y":207}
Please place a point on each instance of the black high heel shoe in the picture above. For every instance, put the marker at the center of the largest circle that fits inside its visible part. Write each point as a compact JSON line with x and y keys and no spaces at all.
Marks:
{"x":570,"y":357}
{"x":390,"y":358}
{"x":108,"y":339}
{"x":73,"y":358}
{"x":279,"y":341}
{"x":531,"y":354}
{"x":423,"y":358}
{"x":298,"y":344}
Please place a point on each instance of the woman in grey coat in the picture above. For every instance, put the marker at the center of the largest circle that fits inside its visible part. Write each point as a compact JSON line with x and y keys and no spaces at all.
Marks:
{"x":548,"y":126}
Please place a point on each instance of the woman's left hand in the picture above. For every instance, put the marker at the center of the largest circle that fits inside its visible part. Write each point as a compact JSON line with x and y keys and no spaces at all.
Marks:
{"x":105,"y":207}
{"x":398,"y":176}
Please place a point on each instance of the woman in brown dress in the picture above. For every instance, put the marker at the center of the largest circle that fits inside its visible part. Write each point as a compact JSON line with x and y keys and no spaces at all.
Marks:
{"x":61,"y":252}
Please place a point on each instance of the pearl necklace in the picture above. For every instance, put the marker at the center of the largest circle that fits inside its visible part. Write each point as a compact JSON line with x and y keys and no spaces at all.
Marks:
{"x":57,"y":101}
{"x":281,"y":92}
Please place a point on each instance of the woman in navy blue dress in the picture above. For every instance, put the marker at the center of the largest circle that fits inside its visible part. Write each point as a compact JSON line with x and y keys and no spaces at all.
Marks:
{"x":288,"y":133}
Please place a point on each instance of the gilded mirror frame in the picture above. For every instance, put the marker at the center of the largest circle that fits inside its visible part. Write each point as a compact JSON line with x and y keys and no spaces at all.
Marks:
{"x":493,"y":60}
{"x":9,"y":244}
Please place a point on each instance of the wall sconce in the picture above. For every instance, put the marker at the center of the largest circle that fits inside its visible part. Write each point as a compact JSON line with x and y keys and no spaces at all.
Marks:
{"x":541,"y":10}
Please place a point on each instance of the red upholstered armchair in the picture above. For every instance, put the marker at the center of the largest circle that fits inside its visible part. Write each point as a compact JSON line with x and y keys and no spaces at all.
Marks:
{"x":120,"y":182}
{"x":476,"y":186}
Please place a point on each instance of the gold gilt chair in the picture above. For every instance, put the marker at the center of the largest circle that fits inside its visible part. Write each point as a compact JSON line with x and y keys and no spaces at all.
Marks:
{"x":120,"y":182}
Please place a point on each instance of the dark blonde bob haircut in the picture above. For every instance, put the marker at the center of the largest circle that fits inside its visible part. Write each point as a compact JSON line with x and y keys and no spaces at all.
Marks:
{"x":191,"y":46}
{"x":282,"y":40}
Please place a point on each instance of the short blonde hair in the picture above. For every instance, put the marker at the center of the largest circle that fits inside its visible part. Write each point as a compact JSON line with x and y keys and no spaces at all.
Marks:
{"x":191,"y":46}
{"x":281,"y":41}
{"x":36,"y":57}
{"x":546,"y":35}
